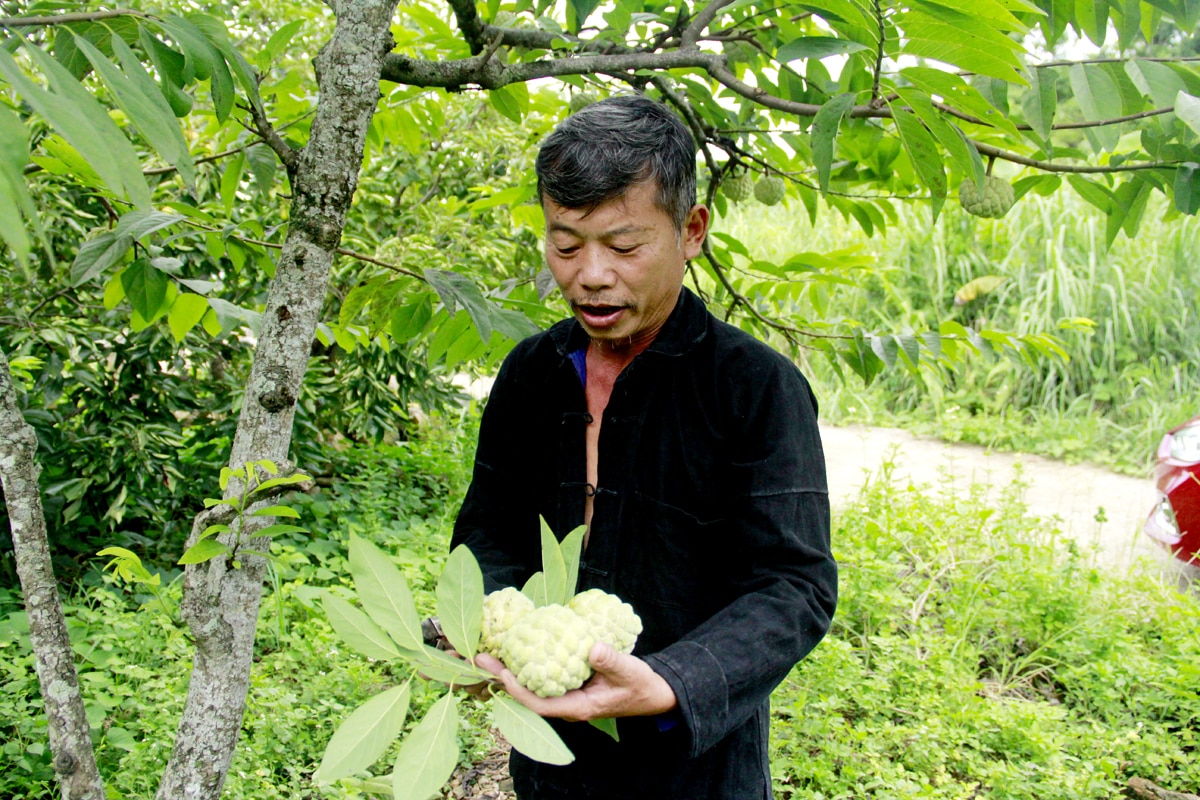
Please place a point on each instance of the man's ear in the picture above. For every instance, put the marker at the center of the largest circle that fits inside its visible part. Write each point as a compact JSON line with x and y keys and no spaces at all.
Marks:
{"x":695,"y":228}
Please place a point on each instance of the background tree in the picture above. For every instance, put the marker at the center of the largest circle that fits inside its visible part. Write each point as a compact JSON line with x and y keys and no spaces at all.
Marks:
{"x":220,"y":181}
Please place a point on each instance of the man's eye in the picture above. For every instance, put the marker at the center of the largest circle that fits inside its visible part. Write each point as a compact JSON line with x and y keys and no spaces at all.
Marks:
{"x":624,"y":250}
{"x":567,"y":250}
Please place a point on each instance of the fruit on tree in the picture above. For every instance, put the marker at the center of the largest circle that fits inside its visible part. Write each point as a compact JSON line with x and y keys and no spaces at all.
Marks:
{"x":501,"y":610}
{"x":769,"y":190}
{"x":547,"y":650}
{"x":611,"y":619}
{"x":993,"y":202}
{"x":738,"y":187}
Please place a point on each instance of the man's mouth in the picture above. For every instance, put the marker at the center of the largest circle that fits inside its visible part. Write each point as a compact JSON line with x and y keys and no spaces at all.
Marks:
{"x":599,"y":315}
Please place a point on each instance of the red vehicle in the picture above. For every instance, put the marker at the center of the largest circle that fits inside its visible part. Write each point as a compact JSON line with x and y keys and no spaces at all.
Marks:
{"x":1174,"y":521}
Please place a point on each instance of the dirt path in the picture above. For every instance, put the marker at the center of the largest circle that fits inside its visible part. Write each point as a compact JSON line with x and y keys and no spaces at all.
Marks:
{"x":1073,"y":493}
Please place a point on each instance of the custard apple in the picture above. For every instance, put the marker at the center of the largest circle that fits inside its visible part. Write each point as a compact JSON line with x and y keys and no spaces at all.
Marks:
{"x":769,"y":190}
{"x":612,"y":620}
{"x":993,"y":202}
{"x":738,"y":187}
{"x":501,"y":610}
{"x":547,"y":649}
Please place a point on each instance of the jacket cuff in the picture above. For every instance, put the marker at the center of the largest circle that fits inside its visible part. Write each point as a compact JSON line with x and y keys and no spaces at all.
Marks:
{"x":696,"y":677}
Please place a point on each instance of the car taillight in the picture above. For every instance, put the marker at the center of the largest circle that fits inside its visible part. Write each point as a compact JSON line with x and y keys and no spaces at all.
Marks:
{"x":1185,"y":444}
{"x":1164,"y":518}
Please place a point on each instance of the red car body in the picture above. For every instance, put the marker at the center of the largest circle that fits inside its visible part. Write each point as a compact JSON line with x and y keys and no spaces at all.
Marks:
{"x":1174,"y":522}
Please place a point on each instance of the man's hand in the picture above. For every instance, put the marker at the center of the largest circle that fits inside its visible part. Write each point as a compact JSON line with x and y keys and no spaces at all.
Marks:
{"x":623,"y":686}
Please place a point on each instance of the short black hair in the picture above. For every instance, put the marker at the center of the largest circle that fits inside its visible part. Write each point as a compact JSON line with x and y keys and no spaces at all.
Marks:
{"x":596,"y":154}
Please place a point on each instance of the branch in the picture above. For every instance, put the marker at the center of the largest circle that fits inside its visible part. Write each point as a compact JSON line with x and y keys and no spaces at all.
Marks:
{"x":470,"y":24}
{"x":878,"y":55}
{"x":1085,"y":169}
{"x":70,"y":740}
{"x":66,"y":19}
{"x":262,"y":126}
{"x":691,"y":34}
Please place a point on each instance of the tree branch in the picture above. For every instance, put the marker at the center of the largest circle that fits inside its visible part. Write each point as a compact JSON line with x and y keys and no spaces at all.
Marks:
{"x":470,"y":24}
{"x":70,"y":740}
{"x":66,"y":19}
{"x":691,"y":34}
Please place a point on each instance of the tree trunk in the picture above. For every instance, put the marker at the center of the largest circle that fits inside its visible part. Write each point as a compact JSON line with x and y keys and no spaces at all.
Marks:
{"x":220,"y":603}
{"x":70,"y":740}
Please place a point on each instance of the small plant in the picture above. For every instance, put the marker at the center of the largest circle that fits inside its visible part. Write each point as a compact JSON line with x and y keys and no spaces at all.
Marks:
{"x":254,"y":489}
{"x":391,"y":629}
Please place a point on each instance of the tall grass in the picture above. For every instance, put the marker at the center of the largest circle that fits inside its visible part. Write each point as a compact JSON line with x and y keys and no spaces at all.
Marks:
{"x":1135,"y":374}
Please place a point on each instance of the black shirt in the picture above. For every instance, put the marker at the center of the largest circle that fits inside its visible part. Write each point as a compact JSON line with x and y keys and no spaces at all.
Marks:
{"x":711,"y":518}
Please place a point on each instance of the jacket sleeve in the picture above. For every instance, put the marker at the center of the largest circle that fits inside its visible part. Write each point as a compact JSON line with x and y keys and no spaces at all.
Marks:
{"x":782,"y":571}
{"x":497,"y":508}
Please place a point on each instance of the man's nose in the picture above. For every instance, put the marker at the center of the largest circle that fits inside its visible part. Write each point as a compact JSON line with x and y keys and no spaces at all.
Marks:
{"x":596,"y":270}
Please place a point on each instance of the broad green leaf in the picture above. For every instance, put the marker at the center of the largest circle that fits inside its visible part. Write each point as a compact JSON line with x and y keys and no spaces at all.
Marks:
{"x":962,"y":39}
{"x":203,"y":550}
{"x":1099,"y":99}
{"x":957,"y":93}
{"x":1187,"y":187}
{"x":171,"y":68}
{"x":572,"y":553}
{"x":528,"y":733}
{"x":145,"y":286}
{"x":100,"y":253}
{"x":861,"y":358}
{"x":277,"y":511}
{"x":384,"y":593}
{"x":365,"y":735}
{"x":437,"y":665}
{"x":554,"y":567}
{"x":14,"y":194}
{"x":580,"y":10}
{"x":210,"y":63}
{"x":83,"y":122}
{"x":1187,"y":108}
{"x":1154,"y":80}
{"x":824,"y":135}
{"x":187,"y":310}
{"x":886,"y":347}
{"x":508,"y":101}
{"x":457,"y":290}
{"x":923,"y":153}
{"x":357,"y":630}
{"x":1099,"y":196}
{"x":218,"y":36}
{"x":953,"y":141}
{"x":460,"y":601}
{"x":278,"y":528}
{"x":1040,"y":102}
{"x":429,"y":754}
{"x":137,"y":95}
{"x":1092,"y":19}
{"x":535,"y":589}
{"x":817,"y":47}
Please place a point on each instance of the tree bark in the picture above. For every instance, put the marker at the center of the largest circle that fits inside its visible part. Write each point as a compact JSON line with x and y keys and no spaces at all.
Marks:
{"x":70,"y":740}
{"x":220,"y":603}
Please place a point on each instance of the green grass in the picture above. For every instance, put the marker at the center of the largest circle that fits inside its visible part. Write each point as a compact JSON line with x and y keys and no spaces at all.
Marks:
{"x":1134,"y":376}
{"x":975,"y":653}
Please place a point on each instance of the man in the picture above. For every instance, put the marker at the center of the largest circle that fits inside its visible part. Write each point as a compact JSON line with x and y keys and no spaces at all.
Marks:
{"x":689,"y":449}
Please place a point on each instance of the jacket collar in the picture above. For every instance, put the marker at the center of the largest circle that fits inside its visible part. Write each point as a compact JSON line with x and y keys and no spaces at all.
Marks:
{"x":684,"y":329}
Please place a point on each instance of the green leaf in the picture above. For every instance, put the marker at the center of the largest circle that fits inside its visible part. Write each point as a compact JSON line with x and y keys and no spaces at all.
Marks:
{"x":218,"y":36}
{"x":187,"y":310}
{"x":1092,"y":18}
{"x":817,"y":47}
{"x":1187,"y":187}
{"x":384,"y":593}
{"x":365,"y":735}
{"x":554,"y":567}
{"x":1187,"y":108}
{"x":437,"y":665}
{"x":965,"y":40}
{"x":460,"y":601}
{"x":1156,"y":81}
{"x":357,"y":630}
{"x":528,"y":733}
{"x":74,"y":112}
{"x":959,"y":94}
{"x":137,"y":95}
{"x":203,"y":550}
{"x":572,"y":553}
{"x":962,"y":152}
{"x":209,"y":62}
{"x":100,"y":253}
{"x":923,"y":153}
{"x":277,"y":511}
{"x":608,"y":725}
{"x":146,"y":287}
{"x":510,"y":101}
{"x":580,"y":10}
{"x":429,"y":754}
{"x":171,"y":67}
{"x":458,"y":290}
{"x":861,"y":358}
{"x":1041,"y":101}
{"x":278,"y":528}
{"x":1099,"y":196}
{"x":535,"y":589}
{"x":1099,"y":99}
{"x":15,"y":199}
{"x":824,"y":134}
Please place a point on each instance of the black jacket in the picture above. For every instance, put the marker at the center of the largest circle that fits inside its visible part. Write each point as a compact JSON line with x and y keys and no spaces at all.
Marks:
{"x":711,"y":519}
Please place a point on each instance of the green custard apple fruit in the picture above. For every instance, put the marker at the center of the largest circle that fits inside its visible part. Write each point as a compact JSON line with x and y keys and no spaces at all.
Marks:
{"x":738,"y":187}
{"x":993,"y":202}
{"x":547,"y":649}
{"x":769,"y":190}
{"x":612,"y":620}
{"x":501,"y":610}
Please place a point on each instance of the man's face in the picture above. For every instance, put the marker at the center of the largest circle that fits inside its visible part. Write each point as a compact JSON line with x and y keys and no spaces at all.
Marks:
{"x":621,"y":265}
